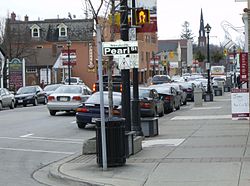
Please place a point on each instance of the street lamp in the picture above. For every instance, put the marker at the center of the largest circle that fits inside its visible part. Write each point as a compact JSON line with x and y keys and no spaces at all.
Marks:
{"x":153,"y":56}
{"x":69,"y":45}
{"x":209,"y":95}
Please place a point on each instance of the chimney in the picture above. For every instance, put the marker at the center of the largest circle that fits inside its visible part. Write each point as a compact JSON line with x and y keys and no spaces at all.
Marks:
{"x":13,"y":16}
{"x":26,"y":18}
{"x":54,"y":50}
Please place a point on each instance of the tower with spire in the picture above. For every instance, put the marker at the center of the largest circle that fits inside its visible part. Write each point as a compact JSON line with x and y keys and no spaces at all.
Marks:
{"x":202,"y":36}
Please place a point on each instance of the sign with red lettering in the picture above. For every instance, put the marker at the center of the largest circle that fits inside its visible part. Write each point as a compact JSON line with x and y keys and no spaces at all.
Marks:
{"x":243,"y":66}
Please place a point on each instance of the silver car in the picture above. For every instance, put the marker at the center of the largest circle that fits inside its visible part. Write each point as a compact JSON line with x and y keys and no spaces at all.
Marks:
{"x":67,"y":98}
{"x":7,"y":99}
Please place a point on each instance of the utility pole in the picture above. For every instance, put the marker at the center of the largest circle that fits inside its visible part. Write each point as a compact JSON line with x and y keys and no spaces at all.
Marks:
{"x":136,"y":116}
{"x":126,"y":113}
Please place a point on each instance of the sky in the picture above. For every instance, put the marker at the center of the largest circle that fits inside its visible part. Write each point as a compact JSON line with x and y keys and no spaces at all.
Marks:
{"x":171,"y":14}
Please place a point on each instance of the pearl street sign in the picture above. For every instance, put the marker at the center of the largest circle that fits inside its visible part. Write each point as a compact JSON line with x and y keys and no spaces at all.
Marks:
{"x":126,"y":53}
{"x":119,"y":48}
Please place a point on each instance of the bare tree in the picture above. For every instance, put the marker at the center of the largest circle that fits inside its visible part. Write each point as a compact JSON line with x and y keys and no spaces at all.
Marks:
{"x":103,"y":9}
{"x":15,"y":42}
{"x":186,"y":31}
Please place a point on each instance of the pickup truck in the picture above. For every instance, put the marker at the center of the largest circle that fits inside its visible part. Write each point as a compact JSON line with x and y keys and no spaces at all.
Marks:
{"x":116,"y":81}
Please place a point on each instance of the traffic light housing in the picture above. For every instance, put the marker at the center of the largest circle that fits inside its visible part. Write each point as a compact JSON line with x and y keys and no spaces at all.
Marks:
{"x":142,"y":16}
{"x":225,"y":52}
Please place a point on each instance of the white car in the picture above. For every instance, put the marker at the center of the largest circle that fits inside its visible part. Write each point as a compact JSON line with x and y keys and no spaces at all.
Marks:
{"x":7,"y":99}
{"x":67,"y":98}
{"x":73,"y":81}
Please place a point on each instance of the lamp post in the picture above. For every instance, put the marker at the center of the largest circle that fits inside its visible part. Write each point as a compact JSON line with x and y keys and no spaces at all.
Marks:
{"x":234,"y":67}
{"x":209,"y":95}
{"x":153,"y":55}
{"x":69,"y":45}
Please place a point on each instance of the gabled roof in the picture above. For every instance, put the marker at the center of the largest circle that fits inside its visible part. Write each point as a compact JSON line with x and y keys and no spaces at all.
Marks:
{"x":78,"y":29}
{"x":167,"y":45}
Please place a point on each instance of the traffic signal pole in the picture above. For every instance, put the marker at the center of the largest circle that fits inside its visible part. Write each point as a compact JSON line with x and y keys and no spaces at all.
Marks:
{"x":136,"y":116}
{"x":125,"y":73}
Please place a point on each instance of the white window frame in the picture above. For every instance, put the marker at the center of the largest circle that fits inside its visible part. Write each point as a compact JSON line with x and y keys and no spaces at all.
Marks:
{"x":33,"y":31}
{"x":61,"y":27}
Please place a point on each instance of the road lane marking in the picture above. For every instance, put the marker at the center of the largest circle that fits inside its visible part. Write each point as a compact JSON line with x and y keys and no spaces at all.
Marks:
{"x":205,"y":108}
{"x":38,"y":151}
{"x":73,"y":122}
{"x":27,"y":135}
{"x":212,"y":117}
{"x":167,"y":142}
{"x":53,"y":140}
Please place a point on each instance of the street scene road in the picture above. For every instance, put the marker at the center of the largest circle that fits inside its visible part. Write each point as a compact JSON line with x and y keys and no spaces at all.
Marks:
{"x":30,"y":138}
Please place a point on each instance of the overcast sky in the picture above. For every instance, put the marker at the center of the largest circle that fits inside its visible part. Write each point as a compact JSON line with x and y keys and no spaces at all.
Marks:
{"x":171,"y":14}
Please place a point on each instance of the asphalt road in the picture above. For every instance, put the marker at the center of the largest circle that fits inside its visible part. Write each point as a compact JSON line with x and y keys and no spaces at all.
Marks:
{"x":30,"y":138}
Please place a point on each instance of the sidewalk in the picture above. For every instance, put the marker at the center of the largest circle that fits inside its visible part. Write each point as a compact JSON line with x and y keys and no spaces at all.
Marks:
{"x":196,"y":146}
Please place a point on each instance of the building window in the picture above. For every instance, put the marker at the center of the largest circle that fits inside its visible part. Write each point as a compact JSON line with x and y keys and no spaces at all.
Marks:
{"x":39,"y":46}
{"x":35,"y":31}
{"x":31,"y":70}
{"x":62,"y":30}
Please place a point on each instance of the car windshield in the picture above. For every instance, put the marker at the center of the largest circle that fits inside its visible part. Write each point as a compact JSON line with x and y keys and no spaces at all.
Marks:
{"x":161,"y":78}
{"x":95,"y":98}
{"x":143,"y":93}
{"x":51,"y":87}
{"x":163,"y":90}
{"x":72,"y":80}
{"x":69,"y":89}
{"x":26,"y":90}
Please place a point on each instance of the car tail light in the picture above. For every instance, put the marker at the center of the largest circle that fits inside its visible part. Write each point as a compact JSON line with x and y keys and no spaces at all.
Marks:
{"x":116,"y":112}
{"x":94,"y":87}
{"x":51,"y":98}
{"x":77,"y":98}
{"x":168,"y":98}
{"x":121,"y":87}
{"x":189,"y":90}
{"x":145,"y":105}
{"x":83,"y":109}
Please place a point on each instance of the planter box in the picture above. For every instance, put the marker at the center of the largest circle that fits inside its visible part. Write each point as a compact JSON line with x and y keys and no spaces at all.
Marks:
{"x":149,"y":126}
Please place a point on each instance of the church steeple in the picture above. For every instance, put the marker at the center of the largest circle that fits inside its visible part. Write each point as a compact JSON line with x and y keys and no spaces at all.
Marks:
{"x":202,"y":37}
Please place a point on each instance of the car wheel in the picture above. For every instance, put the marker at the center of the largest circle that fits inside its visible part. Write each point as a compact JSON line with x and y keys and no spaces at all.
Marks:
{"x":24,"y":104}
{"x":178,"y":107}
{"x":154,"y":113}
{"x":12,"y":105}
{"x":45,"y":101}
{"x":52,"y":112}
{"x":185,"y":102}
{"x":35,"y":102}
{"x":81,"y":125}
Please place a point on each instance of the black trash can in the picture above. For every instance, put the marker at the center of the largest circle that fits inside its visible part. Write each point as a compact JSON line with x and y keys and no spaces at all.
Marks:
{"x":115,"y":142}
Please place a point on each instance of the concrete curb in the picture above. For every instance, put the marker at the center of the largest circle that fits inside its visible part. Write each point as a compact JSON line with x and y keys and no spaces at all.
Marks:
{"x":55,"y":173}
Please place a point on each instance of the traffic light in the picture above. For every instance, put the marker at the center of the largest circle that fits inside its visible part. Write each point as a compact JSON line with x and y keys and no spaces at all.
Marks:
{"x":142,"y":16}
{"x":225,"y":52}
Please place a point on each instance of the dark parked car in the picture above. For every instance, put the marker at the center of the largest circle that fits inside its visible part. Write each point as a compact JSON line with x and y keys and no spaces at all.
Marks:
{"x":169,"y":96}
{"x":188,"y":87}
{"x":30,"y":95}
{"x":159,"y":79}
{"x":89,"y":111}
{"x":7,"y":99}
{"x":150,"y":103}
